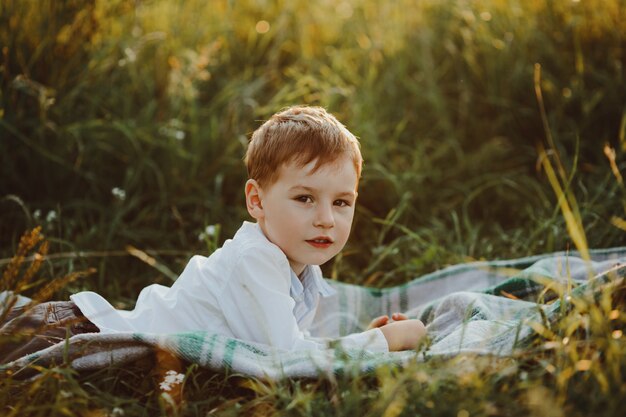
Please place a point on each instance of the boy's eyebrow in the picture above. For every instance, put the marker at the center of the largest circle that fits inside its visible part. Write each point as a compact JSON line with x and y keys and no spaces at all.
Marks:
{"x":351,"y":194}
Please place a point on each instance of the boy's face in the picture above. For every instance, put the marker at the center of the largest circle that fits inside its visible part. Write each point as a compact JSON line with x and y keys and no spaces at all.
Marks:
{"x":307,"y":214}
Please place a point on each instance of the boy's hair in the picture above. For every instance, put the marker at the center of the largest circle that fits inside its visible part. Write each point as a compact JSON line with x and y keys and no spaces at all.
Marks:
{"x":300,"y":134}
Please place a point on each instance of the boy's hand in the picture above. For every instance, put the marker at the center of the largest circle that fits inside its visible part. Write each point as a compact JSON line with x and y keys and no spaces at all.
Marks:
{"x":382,"y":320}
{"x":404,"y":334}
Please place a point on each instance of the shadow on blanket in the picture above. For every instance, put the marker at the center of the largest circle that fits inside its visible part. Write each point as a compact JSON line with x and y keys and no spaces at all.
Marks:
{"x":478,"y":307}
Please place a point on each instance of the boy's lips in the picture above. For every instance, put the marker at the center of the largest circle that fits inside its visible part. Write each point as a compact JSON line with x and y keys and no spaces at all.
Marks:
{"x":320,"y":242}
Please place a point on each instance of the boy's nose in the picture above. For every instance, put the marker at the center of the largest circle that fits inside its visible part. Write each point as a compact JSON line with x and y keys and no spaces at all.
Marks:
{"x":324,"y":217}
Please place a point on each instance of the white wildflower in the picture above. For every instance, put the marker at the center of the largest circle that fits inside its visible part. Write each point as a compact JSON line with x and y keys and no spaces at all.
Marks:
{"x":118,"y":193}
{"x":51,"y":216}
{"x":179,"y":134}
{"x":117,"y":411}
{"x":208,"y":232}
{"x":171,"y":379}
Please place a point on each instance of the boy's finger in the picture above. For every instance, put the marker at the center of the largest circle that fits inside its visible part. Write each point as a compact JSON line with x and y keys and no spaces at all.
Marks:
{"x":399,"y":316}
{"x":379,"y":321}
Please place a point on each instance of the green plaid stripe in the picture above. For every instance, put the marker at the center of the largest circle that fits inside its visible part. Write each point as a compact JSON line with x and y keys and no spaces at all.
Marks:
{"x":485,"y":321}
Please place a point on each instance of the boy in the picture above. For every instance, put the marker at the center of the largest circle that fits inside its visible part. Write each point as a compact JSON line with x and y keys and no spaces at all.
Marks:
{"x":264,"y":285}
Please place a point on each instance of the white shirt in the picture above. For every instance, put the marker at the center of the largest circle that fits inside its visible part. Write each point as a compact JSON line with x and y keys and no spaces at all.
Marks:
{"x":246,"y":290}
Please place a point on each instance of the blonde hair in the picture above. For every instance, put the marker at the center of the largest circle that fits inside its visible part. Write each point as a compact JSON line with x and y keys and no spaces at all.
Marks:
{"x":299,"y":134}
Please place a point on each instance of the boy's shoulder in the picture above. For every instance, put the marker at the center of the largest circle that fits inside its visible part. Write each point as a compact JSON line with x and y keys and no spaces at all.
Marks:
{"x":249,"y":255}
{"x":250,"y":243}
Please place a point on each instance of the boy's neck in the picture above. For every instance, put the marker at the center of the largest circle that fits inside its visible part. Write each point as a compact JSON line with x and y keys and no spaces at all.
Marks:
{"x":297,"y":269}
{"x":299,"y":274}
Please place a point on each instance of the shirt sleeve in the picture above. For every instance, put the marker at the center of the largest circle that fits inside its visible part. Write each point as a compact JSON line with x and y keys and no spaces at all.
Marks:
{"x":257,"y":306}
{"x":372,"y":340}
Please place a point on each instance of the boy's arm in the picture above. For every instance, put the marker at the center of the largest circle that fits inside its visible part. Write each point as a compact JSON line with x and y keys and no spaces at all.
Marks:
{"x":256,"y":303}
{"x":257,"y":306}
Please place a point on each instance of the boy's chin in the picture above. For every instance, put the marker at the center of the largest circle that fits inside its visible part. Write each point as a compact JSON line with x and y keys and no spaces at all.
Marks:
{"x":316,"y":261}
{"x":314,"y":257}
{"x":321,"y":261}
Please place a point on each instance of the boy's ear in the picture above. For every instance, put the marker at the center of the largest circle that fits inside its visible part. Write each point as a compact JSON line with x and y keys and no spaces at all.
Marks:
{"x":253,"y":199}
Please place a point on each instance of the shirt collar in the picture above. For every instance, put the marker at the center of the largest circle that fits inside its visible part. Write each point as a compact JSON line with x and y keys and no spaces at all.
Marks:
{"x":312,"y":282}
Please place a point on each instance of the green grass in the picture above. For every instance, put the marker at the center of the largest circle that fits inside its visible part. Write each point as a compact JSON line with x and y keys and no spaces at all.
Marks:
{"x":124,"y":123}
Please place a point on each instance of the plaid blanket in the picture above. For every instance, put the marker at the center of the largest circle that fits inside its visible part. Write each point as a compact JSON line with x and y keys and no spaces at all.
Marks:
{"x":477,"y":307}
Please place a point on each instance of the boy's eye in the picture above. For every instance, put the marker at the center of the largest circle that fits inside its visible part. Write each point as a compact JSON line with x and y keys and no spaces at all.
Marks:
{"x":304,"y":199}
{"x":342,"y":203}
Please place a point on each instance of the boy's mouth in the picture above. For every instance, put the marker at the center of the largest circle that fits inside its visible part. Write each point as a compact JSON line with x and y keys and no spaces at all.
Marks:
{"x":320,"y":242}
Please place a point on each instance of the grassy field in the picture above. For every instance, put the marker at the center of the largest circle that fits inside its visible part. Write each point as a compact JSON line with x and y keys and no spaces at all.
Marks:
{"x":491,"y":129}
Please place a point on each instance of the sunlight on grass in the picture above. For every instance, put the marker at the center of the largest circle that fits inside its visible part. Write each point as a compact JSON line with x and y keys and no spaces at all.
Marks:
{"x":490,"y":129}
